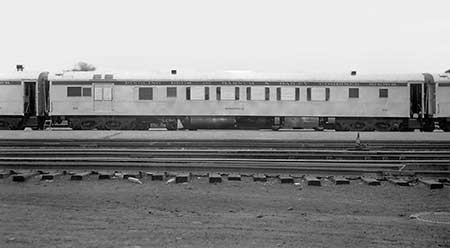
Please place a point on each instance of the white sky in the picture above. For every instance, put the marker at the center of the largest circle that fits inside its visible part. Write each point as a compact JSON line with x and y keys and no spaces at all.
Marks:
{"x":379,"y":36}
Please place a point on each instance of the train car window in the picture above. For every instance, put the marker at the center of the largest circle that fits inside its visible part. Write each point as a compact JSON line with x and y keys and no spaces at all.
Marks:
{"x":73,"y":91}
{"x":353,"y":92}
{"x":308,"y":94}
{"x":206,"y":93}
{"x":297,"y":94}
{"x":218,"y":97}
{"x":236,"y":93}
{"x":107,"y":94}
{"x":98,"y":94}
{"x":327,"y":94}
{"x":383,"y":93}
{"x":249,"y":93}
{"x":87,"y":92}
{"x":278,"y":94}
{"x":188,"y":93}
{"x":146,"y":93}
{"x":171,"y":91}
{"x":267,"y":91}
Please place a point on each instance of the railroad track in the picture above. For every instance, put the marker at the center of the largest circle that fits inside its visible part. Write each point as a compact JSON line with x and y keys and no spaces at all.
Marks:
{"x":406,"y":145}
{"x":323,"y":161}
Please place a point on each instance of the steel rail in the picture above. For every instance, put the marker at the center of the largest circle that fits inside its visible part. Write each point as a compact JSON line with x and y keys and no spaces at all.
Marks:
{"x":208,"y":159}
{"x":234,"y":154}
{"x":323,"y":157}
{"x":211,"y":144}
{"x":94,"y":149}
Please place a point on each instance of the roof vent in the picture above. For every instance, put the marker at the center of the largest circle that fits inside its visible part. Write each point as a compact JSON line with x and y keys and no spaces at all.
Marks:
{"x":173,"y":72}
{"x":97,"y":76}
{"x":353,"y":73}
{"x":19,"y":67}
{"x":109,"y":77}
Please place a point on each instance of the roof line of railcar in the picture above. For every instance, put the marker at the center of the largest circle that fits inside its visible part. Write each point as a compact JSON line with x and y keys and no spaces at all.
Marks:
{"x":237,"y":80}
{"x":19,"y":76}
{"x":249,"y":78}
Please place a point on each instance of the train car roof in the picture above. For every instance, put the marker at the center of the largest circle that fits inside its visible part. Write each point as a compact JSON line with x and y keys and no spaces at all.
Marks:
{"x":236,"y":76}
{"x":19,"y":75}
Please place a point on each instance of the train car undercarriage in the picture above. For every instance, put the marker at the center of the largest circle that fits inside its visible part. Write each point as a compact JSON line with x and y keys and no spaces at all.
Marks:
{"x":11,"y":122}
{"x":247,"y":122}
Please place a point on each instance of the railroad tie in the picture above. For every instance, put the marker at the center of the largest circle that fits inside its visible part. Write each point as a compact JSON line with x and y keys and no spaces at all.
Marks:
{"x":313,"y":181}
{"x":157,"y":176}
{"x":259,"y":178}
{"x":22,"y":177}
{"x":234,"y":177}
{"x":340,"y":180}
{"x":182,"y":178}
{"x":215,"y":178}
{"x":286,"y":179}
{"x":4,"y":174}
{"x":432,"y":184}
{"x":443,"y":180}
{"x":80,"y":176}
{"x":127,"y":175}
{"x":50,"y":176}
{"x":104,"y":175}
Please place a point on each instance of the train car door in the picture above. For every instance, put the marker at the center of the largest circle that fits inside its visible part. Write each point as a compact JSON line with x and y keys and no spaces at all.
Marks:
{"x":29,"y":101}
{"x":416,"y":100}
{"x":103,"y":97}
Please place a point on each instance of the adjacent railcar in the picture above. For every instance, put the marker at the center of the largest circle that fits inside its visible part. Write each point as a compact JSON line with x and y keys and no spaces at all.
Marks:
{"x":20,"y":99}
{"x":349,"y":102}
{"x":439,"y":103}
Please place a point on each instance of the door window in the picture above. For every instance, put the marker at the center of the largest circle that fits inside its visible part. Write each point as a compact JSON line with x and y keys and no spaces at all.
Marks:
{"x":107,"y":94}
{"x":98,"y":96}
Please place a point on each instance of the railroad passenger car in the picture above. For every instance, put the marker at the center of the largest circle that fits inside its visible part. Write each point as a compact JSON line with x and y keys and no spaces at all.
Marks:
{"x":21,"y":94}
{"x":440,"y":100}
{"x":344,"y":102}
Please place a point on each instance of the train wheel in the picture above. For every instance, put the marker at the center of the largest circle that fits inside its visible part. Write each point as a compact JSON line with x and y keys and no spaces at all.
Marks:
{"x":395,"y":127}
{"x":4,"y":125}
{"x":131,"y":126}
{"x":403,"y":127}
{"x":275,"y":128}
{"x":428,"y":126}
{"x":445,"y":126}
{"x":358,"y":126}
{"x":341,"y":127}
{"x":382,"y":126}
{"x":75,"y":124}
{"x":88,"y":124}
{"x":112,"y":125}
{"x":171,"y":125}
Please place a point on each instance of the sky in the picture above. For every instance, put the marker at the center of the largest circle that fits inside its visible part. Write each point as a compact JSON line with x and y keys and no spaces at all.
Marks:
{"x":320,"y":36}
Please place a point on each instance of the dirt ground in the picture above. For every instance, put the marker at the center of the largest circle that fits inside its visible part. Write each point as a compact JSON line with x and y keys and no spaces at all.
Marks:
{"x":118,"y":213}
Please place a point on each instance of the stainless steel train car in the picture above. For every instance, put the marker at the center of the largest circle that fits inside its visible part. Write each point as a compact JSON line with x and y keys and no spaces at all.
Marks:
{"x":86,"y":100}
